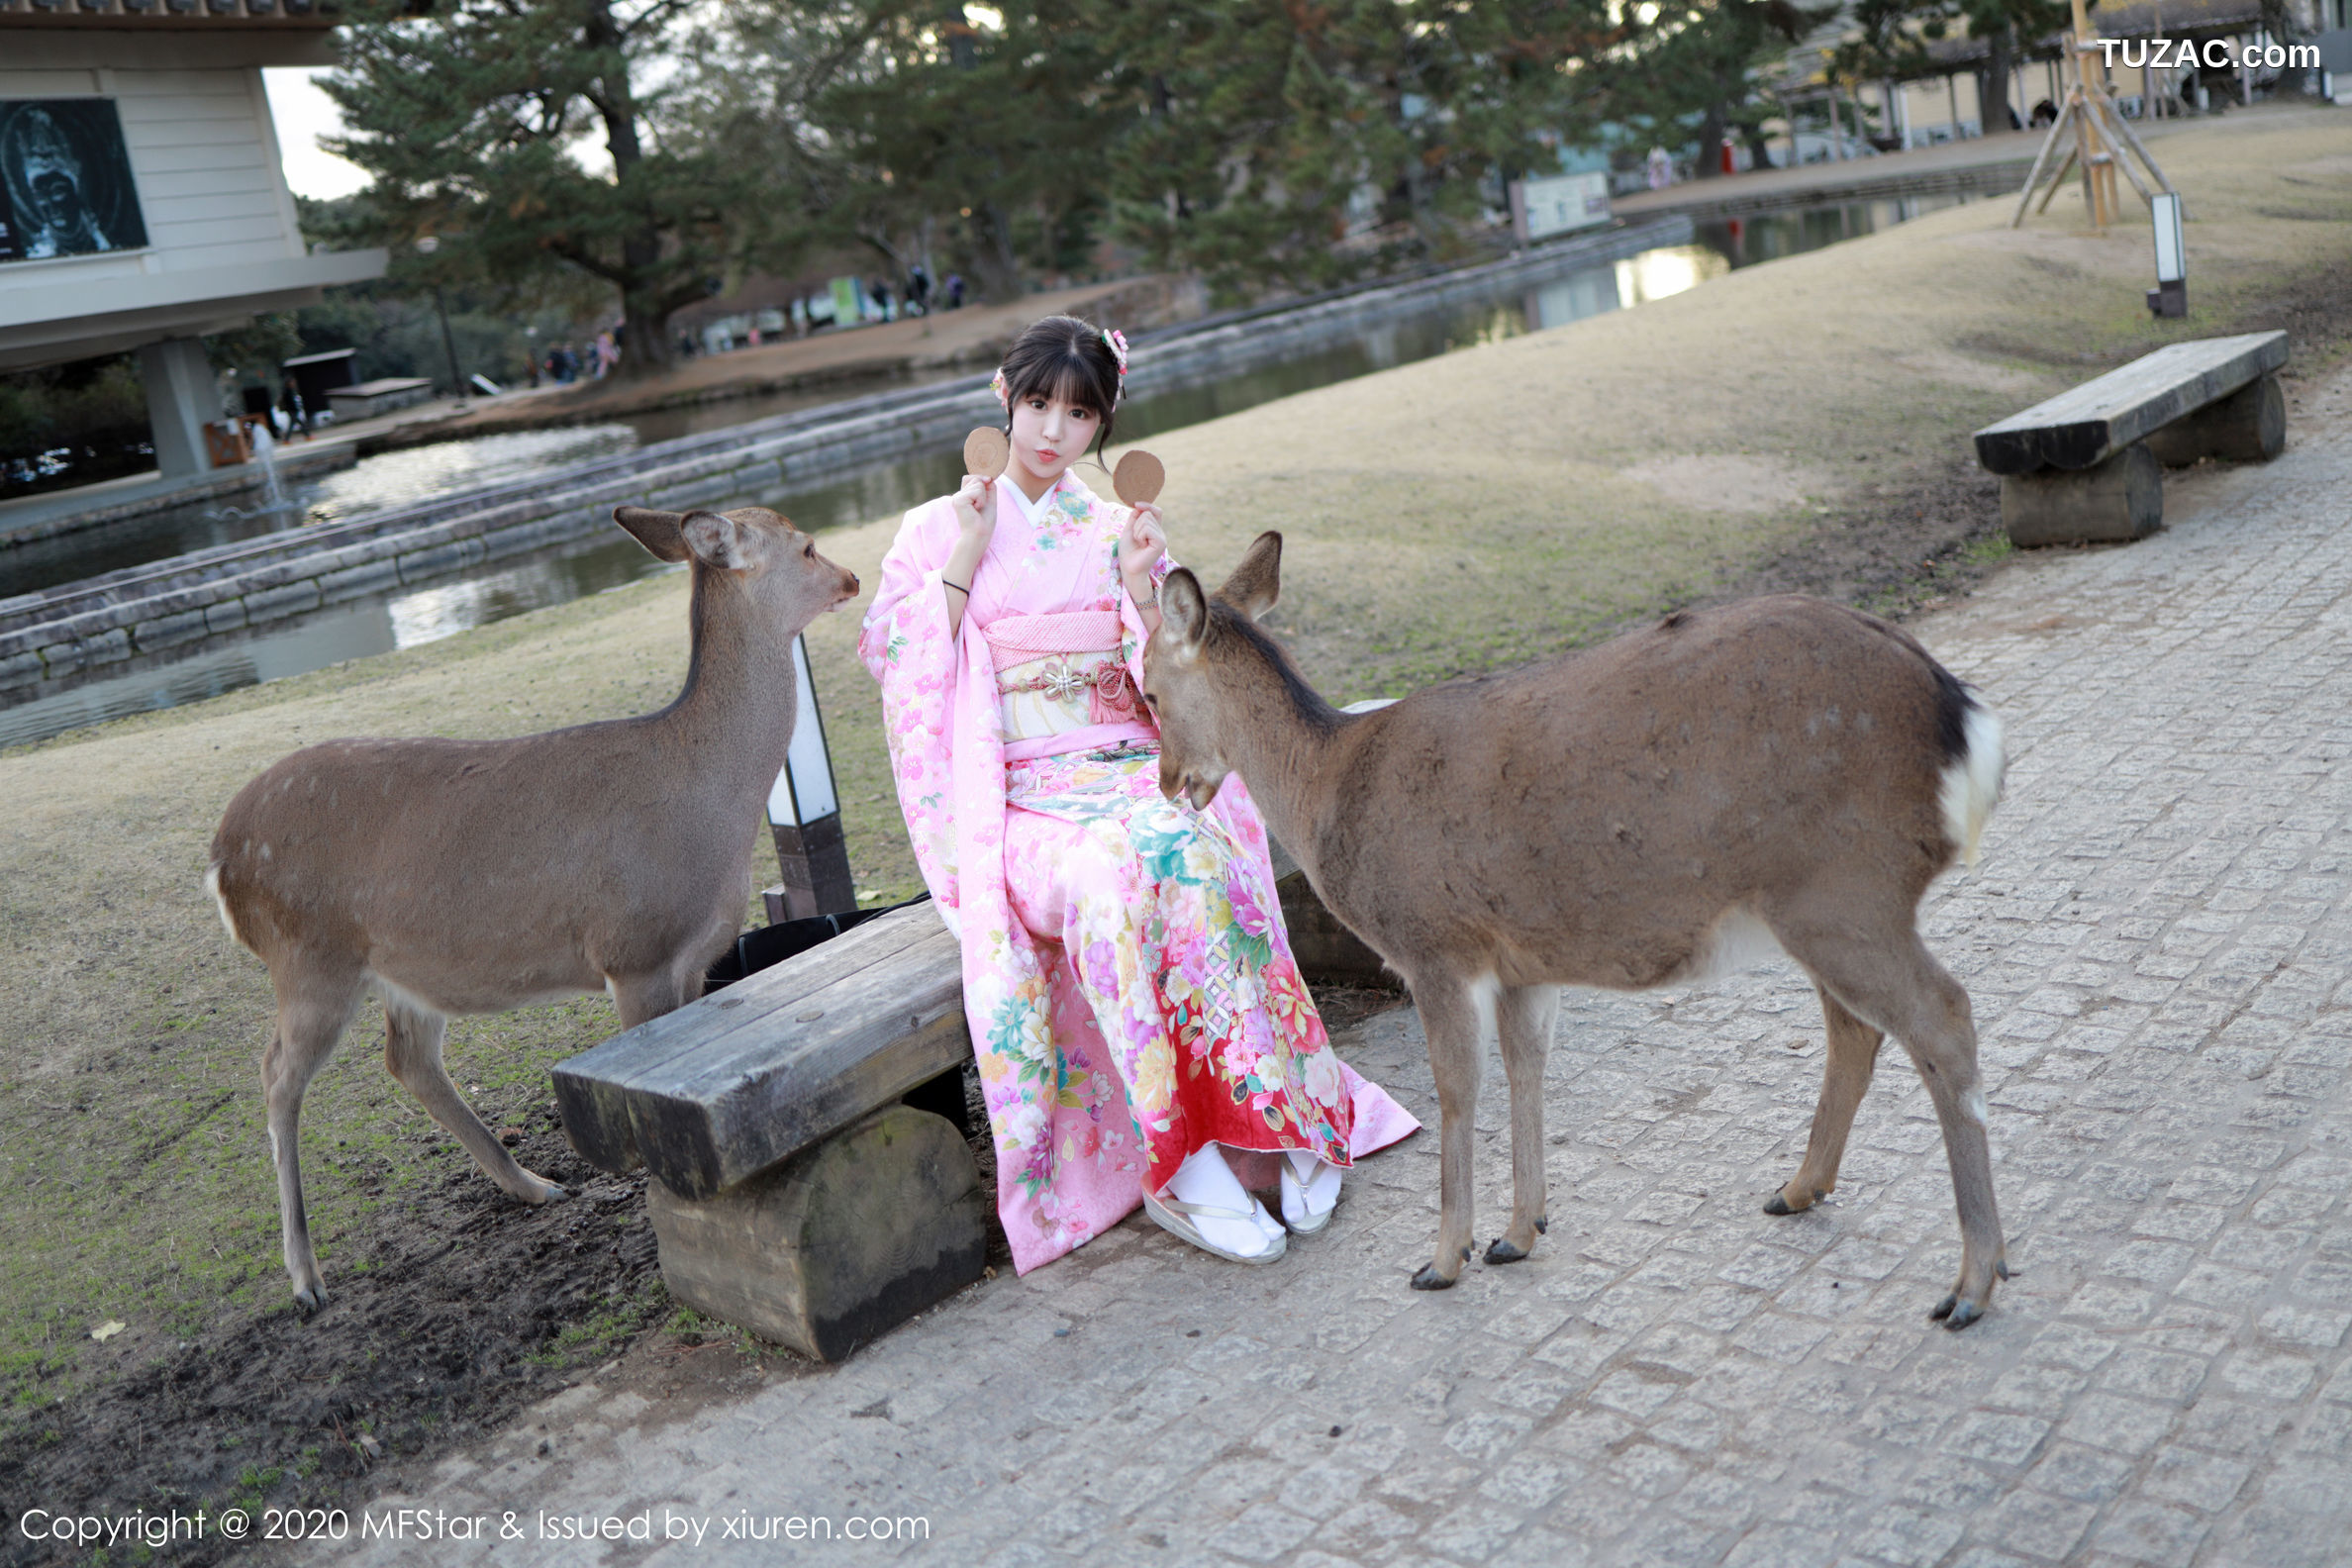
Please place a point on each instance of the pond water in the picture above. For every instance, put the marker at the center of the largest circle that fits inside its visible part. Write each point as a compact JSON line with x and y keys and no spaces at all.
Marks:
{"x":406,"y":617}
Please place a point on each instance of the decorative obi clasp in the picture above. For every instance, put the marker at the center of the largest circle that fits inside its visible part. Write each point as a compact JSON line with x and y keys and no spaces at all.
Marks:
{"x":1060,"y":672}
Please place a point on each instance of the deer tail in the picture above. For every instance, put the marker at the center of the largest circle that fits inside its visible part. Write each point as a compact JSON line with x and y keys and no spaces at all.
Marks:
{"x":1974,"y":763}
{"x":212,"y":885}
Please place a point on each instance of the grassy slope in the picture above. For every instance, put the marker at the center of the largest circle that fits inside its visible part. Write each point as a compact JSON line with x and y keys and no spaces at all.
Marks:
{"x":1450,"y":515}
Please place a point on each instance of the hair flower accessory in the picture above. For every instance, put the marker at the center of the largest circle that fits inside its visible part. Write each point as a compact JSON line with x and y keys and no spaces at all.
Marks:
{"x":1117,"y":342}
{"x":1003,"y":393}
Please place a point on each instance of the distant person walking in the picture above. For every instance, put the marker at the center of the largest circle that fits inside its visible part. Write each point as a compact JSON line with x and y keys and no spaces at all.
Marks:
{"x":1660,"y":168}
{"x":918,"y":290}
{"x":956,"y":291}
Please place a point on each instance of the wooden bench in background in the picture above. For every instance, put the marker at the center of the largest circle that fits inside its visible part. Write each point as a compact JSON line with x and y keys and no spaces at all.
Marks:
{"x":2087,"y":466}
{"x":806,"y":1133}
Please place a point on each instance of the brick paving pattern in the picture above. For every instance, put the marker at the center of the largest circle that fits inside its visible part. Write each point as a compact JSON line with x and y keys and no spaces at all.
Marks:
{"x":2157,"y":947}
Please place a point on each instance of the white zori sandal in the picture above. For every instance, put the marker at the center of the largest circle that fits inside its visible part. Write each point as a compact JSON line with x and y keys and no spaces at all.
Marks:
{"x":1310,"y":1191}
{"x":1249,"y":1235}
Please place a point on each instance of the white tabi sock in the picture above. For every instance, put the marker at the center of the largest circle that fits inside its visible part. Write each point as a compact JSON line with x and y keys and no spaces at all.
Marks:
{"x":1321,"y":1179}
{"x":1204,"y":1178}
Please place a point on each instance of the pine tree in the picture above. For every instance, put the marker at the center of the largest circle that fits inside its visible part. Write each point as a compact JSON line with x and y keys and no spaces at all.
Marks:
{"x":483,"y":122}
{"x":1278,"y":142}
{"x":1700,"y":61}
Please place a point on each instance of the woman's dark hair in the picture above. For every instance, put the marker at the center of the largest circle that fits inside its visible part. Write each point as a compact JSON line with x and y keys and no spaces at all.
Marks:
{"x":1064,"y":357}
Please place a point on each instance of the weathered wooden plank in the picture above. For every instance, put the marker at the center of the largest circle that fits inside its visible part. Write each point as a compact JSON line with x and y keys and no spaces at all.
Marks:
{"x":882,"y":1031}
{"x":2084,"y":427}
{"x":923,"y":966}
{"x":644,"y":1052}
{"x":592,"y":1089}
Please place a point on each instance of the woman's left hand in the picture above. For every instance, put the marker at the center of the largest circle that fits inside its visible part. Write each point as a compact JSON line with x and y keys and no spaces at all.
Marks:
{"x":1142,"y":543}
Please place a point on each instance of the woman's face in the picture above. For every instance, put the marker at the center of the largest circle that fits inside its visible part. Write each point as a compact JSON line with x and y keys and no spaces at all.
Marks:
{"x":1049,"y":435}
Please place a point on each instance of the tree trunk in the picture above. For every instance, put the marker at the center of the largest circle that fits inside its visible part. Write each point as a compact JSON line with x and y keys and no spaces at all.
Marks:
{"x":1993,"y":86}
{"x":1709,"y":161}
{"x":645,"y":345}
{"x":999,"y":263}
{"x":1759,"y":149}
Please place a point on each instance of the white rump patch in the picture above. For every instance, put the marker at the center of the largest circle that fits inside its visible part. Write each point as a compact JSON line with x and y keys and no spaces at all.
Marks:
{"x":1738,"y":940}
{"x":1972,"y":783}
{"x":212,"y":885}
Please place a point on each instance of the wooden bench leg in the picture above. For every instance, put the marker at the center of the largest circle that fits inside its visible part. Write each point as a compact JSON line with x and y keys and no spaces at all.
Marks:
{"x":839,"y":1244}
{"x":2120,"y":500}
{"x":2248,"y":425}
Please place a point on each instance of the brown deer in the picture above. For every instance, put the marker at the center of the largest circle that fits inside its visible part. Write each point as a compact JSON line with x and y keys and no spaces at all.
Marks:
{"x":473,"y":876}
{"x":1631,"y":816}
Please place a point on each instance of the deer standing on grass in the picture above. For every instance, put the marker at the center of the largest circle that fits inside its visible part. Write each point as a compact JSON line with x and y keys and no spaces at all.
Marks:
{"x":1632,"y":816}
{"x":473,"y":876}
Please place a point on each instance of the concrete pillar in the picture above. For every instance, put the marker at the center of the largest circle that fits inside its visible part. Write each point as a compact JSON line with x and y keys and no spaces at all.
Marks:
{"x":182,"y":396}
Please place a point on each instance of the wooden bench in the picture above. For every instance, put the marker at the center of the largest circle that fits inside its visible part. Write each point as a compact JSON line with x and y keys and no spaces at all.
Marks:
{"x":805,"y":1127}
{"x":796,"y":1191}
{"x":2087,"y":466}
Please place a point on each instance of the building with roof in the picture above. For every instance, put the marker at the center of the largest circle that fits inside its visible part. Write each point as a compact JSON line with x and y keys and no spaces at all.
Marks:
{"x":141,"y":202}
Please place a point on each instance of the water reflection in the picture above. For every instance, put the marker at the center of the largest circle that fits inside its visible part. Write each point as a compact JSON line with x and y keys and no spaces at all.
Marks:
{"x":420,"y":473}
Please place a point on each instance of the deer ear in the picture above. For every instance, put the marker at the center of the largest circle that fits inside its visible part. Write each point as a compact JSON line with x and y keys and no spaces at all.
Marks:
{"x":1185,"y":609}
{"x":657,"y":531}
{"x":717,"y":539}
{"x":1257,"y":583}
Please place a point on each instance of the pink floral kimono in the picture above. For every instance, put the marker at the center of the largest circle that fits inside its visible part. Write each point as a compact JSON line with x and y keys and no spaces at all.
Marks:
{"x":1129,"y":987}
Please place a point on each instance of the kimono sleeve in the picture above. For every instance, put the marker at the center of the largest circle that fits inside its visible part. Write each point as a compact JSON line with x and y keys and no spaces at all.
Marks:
{"x":1132,"y":634}
{"x":907,"y":645}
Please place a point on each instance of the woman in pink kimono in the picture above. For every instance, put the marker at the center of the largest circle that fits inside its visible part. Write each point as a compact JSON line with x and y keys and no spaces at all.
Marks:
{"x":1132,"y":994}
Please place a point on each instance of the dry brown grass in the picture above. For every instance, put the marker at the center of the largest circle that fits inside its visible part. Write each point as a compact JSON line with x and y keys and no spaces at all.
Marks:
{"x":1490,"y":506}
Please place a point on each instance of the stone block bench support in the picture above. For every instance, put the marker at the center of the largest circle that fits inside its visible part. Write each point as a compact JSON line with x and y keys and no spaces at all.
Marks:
{"x":842,"y":1243}
{"x":794,"y":1193}
{"x":2087,"y":466}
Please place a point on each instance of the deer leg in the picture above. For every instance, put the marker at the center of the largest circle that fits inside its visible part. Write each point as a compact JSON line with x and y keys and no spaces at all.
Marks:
{"x":413,"y":1051}
{"x":310,"y":1016}
{"x":1853,"y":1055}
{"x":1524,"y":1017}
{"x":1894,"y":984}
{"x":644,"y":997}
{"x":1454,"y":1016}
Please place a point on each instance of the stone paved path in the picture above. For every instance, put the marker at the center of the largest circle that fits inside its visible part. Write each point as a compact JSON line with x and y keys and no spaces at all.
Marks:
{"x":2157,"y":944}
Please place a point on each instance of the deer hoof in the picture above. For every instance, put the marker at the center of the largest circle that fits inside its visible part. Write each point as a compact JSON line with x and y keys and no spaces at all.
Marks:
{"x":1429,"y":1279}
{"x":1777,"y":1205}
{"x":547,"y":1192}
{"x":1956,"y":1313}
{"x":310,"y":1299}
{"x":1504,"y":1252}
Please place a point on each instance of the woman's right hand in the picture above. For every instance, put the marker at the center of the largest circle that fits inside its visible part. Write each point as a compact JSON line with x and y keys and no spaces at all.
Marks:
{"x":976,"y":509}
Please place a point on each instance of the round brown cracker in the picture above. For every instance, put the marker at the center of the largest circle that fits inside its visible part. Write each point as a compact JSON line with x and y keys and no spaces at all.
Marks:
{"x":985,"y":451}
{"x":1138,"y":479}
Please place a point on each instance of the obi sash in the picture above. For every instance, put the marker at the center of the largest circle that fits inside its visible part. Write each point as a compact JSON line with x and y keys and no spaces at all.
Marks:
{"x":1062,"y":683}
